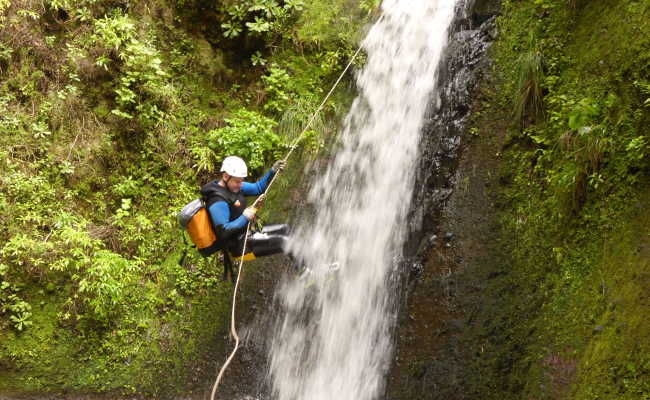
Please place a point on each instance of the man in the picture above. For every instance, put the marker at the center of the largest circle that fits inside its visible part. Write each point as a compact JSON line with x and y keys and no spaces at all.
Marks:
{"x":226,"y":203}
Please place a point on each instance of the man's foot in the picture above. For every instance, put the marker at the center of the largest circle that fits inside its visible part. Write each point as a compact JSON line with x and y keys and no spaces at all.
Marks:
{"x":333,"y":267}
{"x":327,"y":269}
{"x":304,"y":273}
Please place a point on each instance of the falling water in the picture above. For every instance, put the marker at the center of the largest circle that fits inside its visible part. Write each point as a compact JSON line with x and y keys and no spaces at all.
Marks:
{"x":333,"y":339}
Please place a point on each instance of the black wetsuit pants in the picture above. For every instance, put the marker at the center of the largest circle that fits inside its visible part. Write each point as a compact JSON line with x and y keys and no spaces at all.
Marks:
{"x":270,"y":240}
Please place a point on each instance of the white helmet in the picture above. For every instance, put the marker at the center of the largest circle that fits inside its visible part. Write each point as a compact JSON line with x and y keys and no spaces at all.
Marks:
{"x":234,"y":166}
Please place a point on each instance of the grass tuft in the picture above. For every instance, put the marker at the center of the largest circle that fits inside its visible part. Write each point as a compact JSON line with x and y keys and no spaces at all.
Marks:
{"x":528,"y":98}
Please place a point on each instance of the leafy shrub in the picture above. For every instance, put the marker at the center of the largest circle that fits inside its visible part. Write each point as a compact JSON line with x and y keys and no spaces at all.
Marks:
{"x":127,"y":187}
{"x":20,"y":312}
{"x":278,"y":86}
{"x":248,"y":135}
{"x":637,"y":148}
{"x":11,"y":303}
{"x":369,"y":5}
{"x":105,"y":284}
{"x":205,"y":158}
{"x":142,"y":88}
{"x":258,"y":59}
{"x":262,"y":17}
{"x":4,"y":4}
{"x":29,"y":197}
{"x":331,"y":24}
{"x":583,"y":114}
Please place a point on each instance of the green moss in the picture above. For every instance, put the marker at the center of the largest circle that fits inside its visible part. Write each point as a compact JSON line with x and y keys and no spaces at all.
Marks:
{"x":616,"y":360}
{"x":38,"y":358}
{"x":47,"y":358}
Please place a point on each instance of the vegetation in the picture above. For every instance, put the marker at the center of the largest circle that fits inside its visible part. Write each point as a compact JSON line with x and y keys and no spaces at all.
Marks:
{"x":566,"y":316}
{"x":112,"y":114}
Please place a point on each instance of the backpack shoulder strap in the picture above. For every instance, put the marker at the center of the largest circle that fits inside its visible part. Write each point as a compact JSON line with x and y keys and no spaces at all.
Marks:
{"x":212,"y":193}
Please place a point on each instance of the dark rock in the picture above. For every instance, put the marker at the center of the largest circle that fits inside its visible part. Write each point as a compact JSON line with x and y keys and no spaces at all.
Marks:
{"x":417,"y":269}
{"x":449,"y":110}
{"x":443,"y":140}
{"x":454,"y":325}
{"x":482,"y":10}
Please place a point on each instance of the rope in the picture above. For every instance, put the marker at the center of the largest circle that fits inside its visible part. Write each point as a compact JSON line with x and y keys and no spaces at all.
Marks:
{"x":294,"y":145}
{"x":233,"y":329}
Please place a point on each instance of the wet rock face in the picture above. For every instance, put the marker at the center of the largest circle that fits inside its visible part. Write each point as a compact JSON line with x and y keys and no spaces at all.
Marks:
{"x":482,"y":10}
{"x":429,"y":361}
{"x":471,"y":34}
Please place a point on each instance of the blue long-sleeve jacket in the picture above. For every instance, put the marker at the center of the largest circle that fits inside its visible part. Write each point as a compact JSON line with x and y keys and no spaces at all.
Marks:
{"x":220,"y":211}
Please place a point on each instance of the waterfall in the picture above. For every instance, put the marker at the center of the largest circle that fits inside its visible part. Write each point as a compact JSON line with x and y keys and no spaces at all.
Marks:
{"x":332,"y":339}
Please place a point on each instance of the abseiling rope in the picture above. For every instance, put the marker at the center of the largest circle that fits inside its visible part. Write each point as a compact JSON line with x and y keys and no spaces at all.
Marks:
{"x":233,"y":329}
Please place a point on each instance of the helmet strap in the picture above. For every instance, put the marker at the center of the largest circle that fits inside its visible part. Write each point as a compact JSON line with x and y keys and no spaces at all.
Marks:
{"x":225,"y":181}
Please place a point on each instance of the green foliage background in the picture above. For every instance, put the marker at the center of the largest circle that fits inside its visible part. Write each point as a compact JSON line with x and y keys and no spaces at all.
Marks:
{"x":112,"y":114}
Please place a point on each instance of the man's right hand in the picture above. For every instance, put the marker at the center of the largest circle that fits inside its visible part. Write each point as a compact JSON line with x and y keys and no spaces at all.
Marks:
{"x":249,"y":213}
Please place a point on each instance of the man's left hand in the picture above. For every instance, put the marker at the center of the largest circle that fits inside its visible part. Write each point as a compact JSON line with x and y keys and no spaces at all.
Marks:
{"x":279,"y":165}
